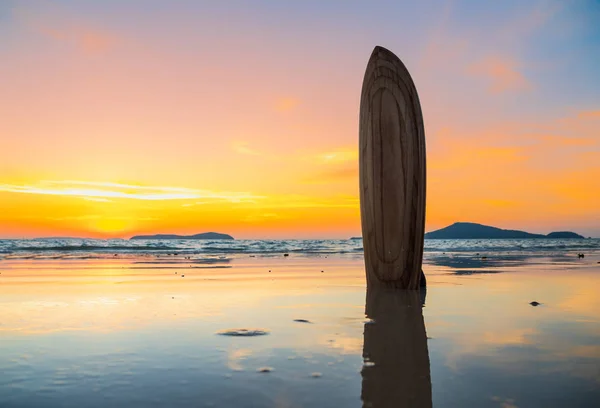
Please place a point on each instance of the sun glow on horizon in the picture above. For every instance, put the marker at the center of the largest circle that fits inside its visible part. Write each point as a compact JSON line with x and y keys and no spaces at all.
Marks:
{"x":118,"y":210}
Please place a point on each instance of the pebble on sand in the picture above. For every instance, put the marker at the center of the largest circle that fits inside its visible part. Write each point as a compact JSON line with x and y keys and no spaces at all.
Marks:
{"x":534,"y":303}
{"x":243,"y":332}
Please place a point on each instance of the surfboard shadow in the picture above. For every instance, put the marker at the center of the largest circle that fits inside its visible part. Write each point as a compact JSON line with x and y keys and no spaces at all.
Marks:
{"x":396,"y":371}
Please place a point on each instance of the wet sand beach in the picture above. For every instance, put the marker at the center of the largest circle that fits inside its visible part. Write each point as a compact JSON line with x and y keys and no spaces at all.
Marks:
{"x":148,"y":331}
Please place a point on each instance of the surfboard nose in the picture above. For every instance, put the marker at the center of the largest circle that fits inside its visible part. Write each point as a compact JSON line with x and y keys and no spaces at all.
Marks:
{"x":381,"y":50}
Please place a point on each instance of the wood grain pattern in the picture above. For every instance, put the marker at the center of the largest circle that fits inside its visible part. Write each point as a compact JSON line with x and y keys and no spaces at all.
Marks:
{"x":392,"y":173}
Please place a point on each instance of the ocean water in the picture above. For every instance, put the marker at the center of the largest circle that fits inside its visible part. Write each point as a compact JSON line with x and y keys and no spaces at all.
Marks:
{"x":99,"y":249}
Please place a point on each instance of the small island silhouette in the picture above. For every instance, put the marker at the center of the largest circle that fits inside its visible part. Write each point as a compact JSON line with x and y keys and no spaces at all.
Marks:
{"x":471,"y":230}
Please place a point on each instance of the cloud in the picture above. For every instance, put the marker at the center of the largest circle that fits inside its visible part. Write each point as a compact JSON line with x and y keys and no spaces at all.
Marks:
{"x":550,"y":140}
{"x":339,"y":155}
{"x":337,"y":165}
{"x":482,"y":154}
{"x":86,"y":39}
{"x":232,"y":200}
{"x":101,"y":217}
{"x":57,"y":24}
{"x":286,"y":104}
{"x":501,"y":73}
{"x":93,"y":41}
{"x":107,"y":190}
{"x":242,"y":148}
{"x":590,"y":114}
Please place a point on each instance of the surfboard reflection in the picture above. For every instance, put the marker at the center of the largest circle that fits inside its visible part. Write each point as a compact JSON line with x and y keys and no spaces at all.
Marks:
{"x":396,"y":371}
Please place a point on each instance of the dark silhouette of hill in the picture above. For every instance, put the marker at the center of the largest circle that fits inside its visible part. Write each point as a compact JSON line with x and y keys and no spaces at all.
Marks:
{"x":204,"y":235}
{"x":563,"y":234}
{"x":470,"y":230}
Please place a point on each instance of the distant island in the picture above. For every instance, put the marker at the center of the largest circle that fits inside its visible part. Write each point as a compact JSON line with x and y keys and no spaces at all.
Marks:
{"x":470,"y":230}
{"x":204,"y":235}
{"x":563,"y":234}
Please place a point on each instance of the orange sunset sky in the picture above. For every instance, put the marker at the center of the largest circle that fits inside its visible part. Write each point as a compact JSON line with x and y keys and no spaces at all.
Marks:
{"x":127,"y":117}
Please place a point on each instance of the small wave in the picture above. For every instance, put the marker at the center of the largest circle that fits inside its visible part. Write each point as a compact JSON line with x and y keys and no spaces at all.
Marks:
{"x":226,"y":249}
{"x":91,"y":248}
{"x":174,"y":250}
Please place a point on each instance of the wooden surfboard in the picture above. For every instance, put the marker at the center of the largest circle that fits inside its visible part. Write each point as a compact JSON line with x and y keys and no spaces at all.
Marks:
{"x":392,"y":173}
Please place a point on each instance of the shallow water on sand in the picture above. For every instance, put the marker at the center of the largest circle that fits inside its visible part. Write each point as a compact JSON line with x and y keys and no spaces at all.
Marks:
{"x":121,"y":332}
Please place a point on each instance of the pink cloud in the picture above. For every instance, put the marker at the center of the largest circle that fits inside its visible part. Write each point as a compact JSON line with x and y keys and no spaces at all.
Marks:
{"x":501,"y":73}
{"x":58,"y":24}
{"x":86,"y":39}
{"x":94,"y":41}
{"x":592,"y":114}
